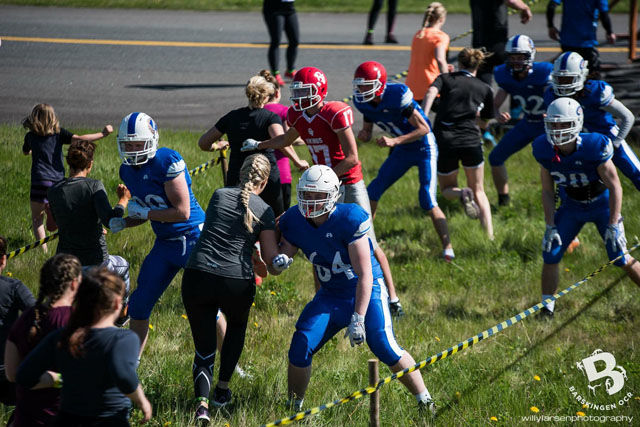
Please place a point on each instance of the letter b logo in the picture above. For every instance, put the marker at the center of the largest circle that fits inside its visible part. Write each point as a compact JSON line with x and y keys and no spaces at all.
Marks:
{"x":616,"y":381}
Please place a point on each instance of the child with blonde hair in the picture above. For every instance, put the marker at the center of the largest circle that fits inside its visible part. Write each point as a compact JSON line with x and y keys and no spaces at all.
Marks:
{"x":44,"y":142}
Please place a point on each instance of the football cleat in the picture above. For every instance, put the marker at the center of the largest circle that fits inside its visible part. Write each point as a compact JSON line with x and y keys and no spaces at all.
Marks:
{"x":545,"y":314}
{"x":221,"y":397}
{"x":202,"y":415}
{"x":427,"y":405}
{"x":279,"y":80}
{"x":470,"y":206}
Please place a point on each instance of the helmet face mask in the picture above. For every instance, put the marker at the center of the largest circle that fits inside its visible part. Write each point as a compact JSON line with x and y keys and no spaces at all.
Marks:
{"x":569,"y":74}
{"x":521,"y":53}
{"x":318,"y":191}
{"x":137,"y":139}
{"x":563,"y":121}
{"x":369,"y":81}
{"x":308,"y":89}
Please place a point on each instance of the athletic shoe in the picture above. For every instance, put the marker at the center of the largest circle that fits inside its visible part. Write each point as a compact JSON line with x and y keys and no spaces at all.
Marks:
{"x":504,"y":199}
{"x":368,"y":39}
{"x":545,"y":314}
{"x":258,"y":280}
{"x":279,"y":79}
{"x":427,"y":405}
{"x":573,"y":245}
{"x":202,"y":415}
{"x":396,"y":309}
{"x":470,"y":206}
{"x":391,"y":39}
{"x":221,"y":397}
{"x":289,"y":74}
{"x":448,"y":255}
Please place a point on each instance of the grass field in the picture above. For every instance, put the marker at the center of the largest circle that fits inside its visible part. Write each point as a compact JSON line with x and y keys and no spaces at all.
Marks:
{"x":529,"y":365}
{"x":404,"y":6}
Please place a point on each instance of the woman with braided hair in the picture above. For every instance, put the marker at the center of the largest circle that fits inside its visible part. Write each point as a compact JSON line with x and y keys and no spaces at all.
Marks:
{"x":60,"y":277}
{"x":219,"y":276}
{"x":96,"y":360}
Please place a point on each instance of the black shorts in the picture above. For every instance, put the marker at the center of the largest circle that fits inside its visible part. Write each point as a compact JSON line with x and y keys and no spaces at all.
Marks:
{"x":449,"y":157}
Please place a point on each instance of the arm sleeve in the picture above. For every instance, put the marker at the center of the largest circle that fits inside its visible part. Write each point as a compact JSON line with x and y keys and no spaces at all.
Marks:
{"x":173,"y":165}
{"x":103,"y":207}
{"x":551,"y":11}
{"x":438,"y":82}
{"x":625,"y":116}
{"x":488,"y":111}
{"x":606,"y":21}
{"x":65,"y":136}
{"x":268,"y":219}
{"x":24,"y":298}
{"x":26,"y":147}
{"x":359,"y":223}
{"x":123,"y":361}
{"x":222,"y":124}
{"x":37,"y":361}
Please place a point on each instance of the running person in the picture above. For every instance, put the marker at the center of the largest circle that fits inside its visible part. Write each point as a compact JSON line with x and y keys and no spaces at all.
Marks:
{"x":81,"y":208}
{"x":392,"y":108}
{"x":352,"y":293}
{"x":160,"y":185}
{"x":462,"y":98}
{"x":526,"y":81}
{"x":580,"y":165}
{"x":279,"y":15}
{"x":219,"y":274}
{"x":569,"y":78}
{"x":326,"y":129}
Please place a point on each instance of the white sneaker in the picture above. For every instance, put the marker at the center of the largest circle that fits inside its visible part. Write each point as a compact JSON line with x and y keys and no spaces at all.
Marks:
{"x":242,"y":373}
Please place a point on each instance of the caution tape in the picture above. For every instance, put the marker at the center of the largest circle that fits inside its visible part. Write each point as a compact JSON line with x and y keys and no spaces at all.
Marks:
{"x":448,"y":352}
{"x":194,"y":171}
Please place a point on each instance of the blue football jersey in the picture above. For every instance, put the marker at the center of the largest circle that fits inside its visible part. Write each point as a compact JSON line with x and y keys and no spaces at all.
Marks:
{"x":578,"y":169}
{"x":529,"y":91}
{"x":146,"y":184}
{"x":326,"y":246}
{"x":596,"y":94}
{"x":388,"y":114}
{"x":580,"y":21}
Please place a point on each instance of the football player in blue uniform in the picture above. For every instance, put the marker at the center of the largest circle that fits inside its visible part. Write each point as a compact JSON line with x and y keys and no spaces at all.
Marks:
{"x":580,"y":165}
{"x":160,"y":185}
{"x":392,"y":108}
{"x":569,"y":78}
{"x":352,"y":292}
{"x":525,"y":80}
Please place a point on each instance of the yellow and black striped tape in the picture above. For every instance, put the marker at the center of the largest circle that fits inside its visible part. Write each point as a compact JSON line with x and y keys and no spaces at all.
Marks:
{"x":194,"y":171}
{"x":448,"y":352}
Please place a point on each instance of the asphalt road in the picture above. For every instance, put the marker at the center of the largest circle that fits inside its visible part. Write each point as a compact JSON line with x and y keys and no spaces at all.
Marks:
{"x":99,"y":76}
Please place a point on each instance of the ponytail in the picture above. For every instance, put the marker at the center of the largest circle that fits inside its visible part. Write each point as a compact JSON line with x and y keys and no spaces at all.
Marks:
{"x":254,"y":171}
{"x":434,"y":12}
{"x":471,"y":59}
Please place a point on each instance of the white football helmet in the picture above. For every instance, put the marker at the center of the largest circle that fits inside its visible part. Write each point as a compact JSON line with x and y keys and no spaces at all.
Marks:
{"x":569,"y":74}
{"x":137,"y":127}
{"x":520,"y":45}
{"x":563,"y":121}
{"x":318,"y":179}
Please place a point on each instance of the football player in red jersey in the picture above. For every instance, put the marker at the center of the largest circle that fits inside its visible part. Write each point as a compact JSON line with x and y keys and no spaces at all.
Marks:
{"x":325,"y":126}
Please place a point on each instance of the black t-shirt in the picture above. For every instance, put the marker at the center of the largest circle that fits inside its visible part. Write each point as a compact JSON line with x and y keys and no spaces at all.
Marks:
{"x":490,"y":23}
{"x":462,"y":97}
{"x":95,"y":384}
{"x":81,"y":207}
{"x":242,"y":124}
{"x":46,"y":154}
{"x":14,"y":298}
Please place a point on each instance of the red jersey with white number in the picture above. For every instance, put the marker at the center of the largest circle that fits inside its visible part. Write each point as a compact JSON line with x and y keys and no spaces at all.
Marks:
{"x":319,"y":133}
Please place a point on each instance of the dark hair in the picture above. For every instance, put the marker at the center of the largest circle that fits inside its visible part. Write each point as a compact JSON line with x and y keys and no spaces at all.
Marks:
{"x":471,"y":59}
{"x":96,"y":295}
{"x":80,"y":155}
{"x":55,"y":276}
{"x":3,"y":246}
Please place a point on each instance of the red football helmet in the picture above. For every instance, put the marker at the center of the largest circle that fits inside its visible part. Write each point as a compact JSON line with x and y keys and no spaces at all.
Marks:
{"x":370,"y":73}
{"x":308,"y":88}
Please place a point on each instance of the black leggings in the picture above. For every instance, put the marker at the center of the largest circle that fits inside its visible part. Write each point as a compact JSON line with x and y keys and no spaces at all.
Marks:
{"x":202,"y":295}
{"x":375,"y":10}
{"x":286,"y":18}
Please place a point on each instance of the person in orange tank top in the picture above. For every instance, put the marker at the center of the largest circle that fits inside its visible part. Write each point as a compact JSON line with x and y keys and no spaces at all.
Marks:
{"x":428,"y":52}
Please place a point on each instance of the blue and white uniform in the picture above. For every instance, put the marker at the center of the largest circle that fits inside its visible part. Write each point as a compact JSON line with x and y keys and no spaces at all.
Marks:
{"x":174,"y":240}
{"x":391,"y":115}
{"x":596,"y":95}
{"x":326,"y":246}
{"x":584,"y":198}
{"x":529,"y":94}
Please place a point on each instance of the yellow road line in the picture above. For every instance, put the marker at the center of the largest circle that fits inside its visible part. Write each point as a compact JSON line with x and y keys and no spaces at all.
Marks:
{"x":244,"y":45}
